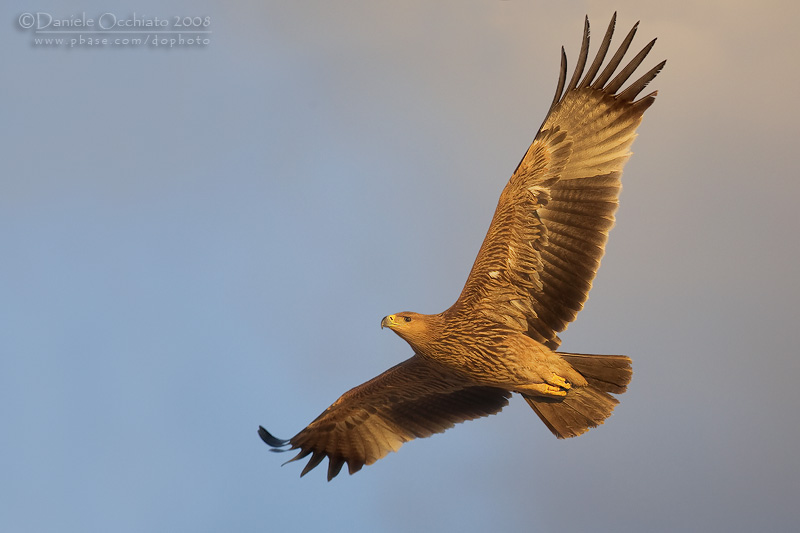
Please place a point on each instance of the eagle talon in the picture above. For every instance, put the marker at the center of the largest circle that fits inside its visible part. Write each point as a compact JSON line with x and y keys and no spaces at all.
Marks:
{"x":543,"y":389}
{"x":554,"y":391}
{"x":558,"y":381}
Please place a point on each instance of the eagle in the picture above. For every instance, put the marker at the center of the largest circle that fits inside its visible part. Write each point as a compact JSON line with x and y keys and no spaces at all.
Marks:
{"x":530,"y":279}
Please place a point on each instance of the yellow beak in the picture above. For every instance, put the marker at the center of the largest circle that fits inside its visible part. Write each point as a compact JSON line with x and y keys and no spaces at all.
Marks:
{"x":387,"y":322}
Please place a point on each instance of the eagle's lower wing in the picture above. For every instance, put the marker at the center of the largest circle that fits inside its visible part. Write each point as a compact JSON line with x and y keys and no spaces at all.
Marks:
{"x":413,"y":399}
{"x":544,"y":245}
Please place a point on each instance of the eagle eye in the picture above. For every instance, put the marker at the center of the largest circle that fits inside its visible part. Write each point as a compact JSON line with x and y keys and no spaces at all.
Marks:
{"x":407,"y":318}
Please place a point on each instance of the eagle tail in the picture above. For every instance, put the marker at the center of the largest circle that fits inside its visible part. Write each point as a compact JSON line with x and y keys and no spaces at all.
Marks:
{"x":585,"y":407}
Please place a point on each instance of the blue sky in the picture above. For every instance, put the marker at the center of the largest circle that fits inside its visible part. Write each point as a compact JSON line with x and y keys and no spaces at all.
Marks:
{"x":199,"y":240}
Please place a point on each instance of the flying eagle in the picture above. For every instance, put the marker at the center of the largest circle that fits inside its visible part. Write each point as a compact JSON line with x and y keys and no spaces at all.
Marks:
{"x":530,"y":279}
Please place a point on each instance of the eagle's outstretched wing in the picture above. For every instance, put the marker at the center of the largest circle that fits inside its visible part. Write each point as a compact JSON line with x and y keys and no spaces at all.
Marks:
{"x":544,"y":245}
{"x":411,"y":400}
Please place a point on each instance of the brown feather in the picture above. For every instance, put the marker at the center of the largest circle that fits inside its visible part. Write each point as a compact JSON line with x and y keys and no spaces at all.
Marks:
{"x":582,"y":409}
{"x":414,"y":399}
{"x":576,"y":161}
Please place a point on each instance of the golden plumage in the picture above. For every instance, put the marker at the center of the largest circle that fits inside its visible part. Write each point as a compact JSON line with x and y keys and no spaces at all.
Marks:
{"x":532,"y":276}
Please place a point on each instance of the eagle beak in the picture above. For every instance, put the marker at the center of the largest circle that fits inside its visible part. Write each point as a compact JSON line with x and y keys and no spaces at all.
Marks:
{"x":387,"y":322}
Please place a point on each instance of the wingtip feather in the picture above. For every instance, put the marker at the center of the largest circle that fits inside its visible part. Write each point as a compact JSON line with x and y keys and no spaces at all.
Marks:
{"x":270,"y":439}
